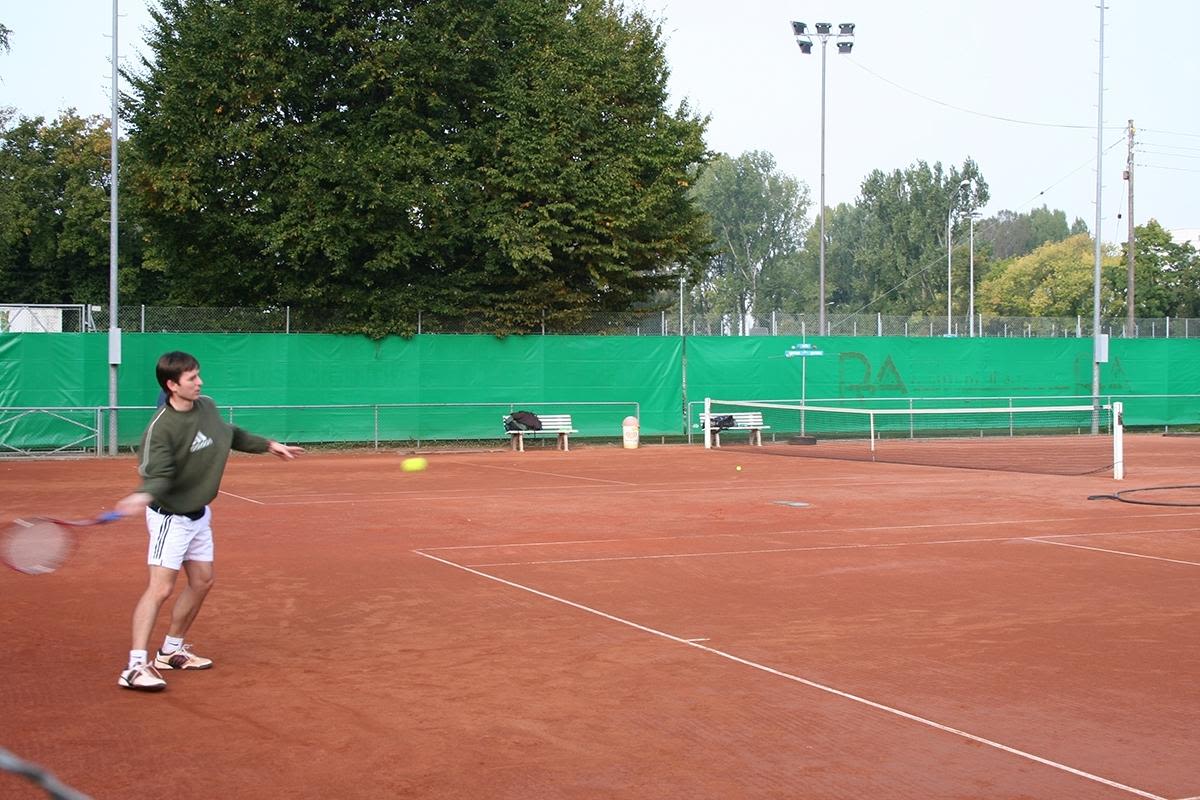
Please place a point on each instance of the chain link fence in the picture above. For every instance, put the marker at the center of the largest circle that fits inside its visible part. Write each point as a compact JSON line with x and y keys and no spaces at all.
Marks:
{"x":656,"y":322}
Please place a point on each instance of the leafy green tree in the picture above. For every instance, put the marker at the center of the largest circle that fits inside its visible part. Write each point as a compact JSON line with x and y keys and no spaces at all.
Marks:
{"x":365,"y":160}
{"x":1166,"y":274}
{"x":756,"y":217}
{"x":1010,"y":233}
{"x":54,"y":212}
{"x":1055,"y":280}
{"x":899,"y":254}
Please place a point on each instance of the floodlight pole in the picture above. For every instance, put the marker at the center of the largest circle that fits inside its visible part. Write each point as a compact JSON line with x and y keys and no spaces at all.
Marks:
{"x":1099,"y":345}
{"x":843,"y":38}
{"x":114,"y":331}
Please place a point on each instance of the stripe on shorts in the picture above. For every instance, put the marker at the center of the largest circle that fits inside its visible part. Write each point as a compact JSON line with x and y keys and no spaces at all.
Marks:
{"x":163,"y":529}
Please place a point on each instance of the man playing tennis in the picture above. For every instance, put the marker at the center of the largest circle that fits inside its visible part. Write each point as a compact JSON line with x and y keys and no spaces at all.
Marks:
{"x":183,"y":455}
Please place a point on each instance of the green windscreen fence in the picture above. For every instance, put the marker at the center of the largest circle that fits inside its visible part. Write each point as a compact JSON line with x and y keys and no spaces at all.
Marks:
{"x":313,"y":387}
{"x":316,"y":387}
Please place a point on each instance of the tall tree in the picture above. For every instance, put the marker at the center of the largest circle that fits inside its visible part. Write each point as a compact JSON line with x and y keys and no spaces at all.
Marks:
{"x":54,"y":230}
{"x":1010,"y":233}
{"x":756,"y":221}
{"x":901,"y":248}
{"x":1055,"y":280}
{"x":364,"y":160}
{"x":1166,"y":274}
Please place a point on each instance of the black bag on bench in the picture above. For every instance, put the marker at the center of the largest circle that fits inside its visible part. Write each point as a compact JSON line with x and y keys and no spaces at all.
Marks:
{"x":721,"y":421}
{"x":522,"y":421}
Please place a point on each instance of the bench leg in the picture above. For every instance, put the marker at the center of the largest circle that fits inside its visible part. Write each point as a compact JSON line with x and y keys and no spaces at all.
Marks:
{"x":756,"y":436}
{"x":716,"y":438}
{"x":563,"y":444}
{"x":518,"y":442}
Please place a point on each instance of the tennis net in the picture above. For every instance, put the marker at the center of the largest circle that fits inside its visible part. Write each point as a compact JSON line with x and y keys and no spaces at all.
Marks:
{"x":1052,"y":439}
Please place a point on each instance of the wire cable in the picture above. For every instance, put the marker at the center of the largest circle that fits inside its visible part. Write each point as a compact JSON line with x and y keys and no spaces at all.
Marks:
{"x":983,"y":114}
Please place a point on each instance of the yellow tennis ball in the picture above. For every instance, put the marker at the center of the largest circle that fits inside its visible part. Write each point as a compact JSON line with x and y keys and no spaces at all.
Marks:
{"x":738,"y":467}
{"x":413,"y":464}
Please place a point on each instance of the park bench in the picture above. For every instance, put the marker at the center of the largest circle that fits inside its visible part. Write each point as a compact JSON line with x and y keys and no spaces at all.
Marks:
{"x":552,"y":424}
{"x":751,"y":421}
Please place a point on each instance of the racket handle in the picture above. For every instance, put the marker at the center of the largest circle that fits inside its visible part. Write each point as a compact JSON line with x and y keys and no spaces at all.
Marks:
{"x":109,"y":516}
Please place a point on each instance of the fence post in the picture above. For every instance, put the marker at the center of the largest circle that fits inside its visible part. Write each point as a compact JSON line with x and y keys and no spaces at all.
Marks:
{"x":879,"y":323}
{"x":287,"y":319}
{"x":143,"y":327}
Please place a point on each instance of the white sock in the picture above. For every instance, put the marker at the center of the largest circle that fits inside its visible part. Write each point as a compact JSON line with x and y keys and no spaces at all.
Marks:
{"x":171,"y":644}
{"x":137,"y":658}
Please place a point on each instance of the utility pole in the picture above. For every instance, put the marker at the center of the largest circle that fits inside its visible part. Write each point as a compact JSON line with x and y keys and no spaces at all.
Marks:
{"x":1130,"y":319}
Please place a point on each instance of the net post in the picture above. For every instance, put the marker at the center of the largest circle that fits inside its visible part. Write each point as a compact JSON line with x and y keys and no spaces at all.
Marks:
{"x":1118,"y":429}
{"x":871,"y":417}
{"x":706,"y":419}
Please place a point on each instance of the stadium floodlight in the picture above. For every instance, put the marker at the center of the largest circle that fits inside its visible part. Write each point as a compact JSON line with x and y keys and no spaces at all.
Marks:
{"x":842,"y":37}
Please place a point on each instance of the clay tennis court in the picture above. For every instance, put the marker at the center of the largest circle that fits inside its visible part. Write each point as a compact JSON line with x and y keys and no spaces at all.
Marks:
{"x":626,"y":624}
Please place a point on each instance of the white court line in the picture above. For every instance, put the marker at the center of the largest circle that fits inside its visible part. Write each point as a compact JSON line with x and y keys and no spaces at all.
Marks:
{"x":552,"y":474}
{"x":1114,"y":552}
{"x":239,"y":497}
{"x":812,"y":684}
{"x":809,"y":531}
{"x":870,"y":546}
{"x":647,"y":488}
{"x":582,"y":541}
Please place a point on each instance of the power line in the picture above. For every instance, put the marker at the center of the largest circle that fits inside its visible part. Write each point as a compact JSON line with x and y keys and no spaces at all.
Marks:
{"x":1170,"y":133}
{"x":973,"y":112}
{"x":1153,"y":152}
{"x":1168,"y":169}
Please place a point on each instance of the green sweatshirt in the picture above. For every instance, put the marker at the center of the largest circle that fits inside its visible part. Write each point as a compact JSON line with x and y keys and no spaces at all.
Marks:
{"x":184,"y":455}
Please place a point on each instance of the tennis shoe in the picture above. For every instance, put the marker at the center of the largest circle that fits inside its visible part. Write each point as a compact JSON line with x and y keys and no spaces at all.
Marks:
{"x":142,"y":678}
{"x":183,"y":658}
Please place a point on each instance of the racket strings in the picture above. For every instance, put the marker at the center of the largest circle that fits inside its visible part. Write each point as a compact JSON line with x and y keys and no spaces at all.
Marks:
{"x":35,"y":547}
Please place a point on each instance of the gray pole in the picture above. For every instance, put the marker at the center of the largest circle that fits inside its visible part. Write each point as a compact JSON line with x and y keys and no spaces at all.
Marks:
{"x":821,"y":271}
{"x":114,"y":332}
{"x":971,"y":280}
{"x":1130,"y":319}
{"x":949,"y":262}
{"x":1096,"y":335}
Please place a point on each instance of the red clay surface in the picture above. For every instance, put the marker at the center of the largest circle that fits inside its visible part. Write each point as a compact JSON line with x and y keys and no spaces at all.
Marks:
{"x":626,"y":624}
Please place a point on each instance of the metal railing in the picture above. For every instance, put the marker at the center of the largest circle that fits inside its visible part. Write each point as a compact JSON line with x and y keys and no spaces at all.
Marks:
{"x":657,"y":322}
{"x":64,"y":431}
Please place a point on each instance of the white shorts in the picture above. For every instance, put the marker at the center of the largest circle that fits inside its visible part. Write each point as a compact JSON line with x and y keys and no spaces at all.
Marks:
{"x":175,"y":539}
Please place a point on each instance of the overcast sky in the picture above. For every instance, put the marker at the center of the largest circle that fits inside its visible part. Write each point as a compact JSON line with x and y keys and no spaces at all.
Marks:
{"x":1010,"y":83}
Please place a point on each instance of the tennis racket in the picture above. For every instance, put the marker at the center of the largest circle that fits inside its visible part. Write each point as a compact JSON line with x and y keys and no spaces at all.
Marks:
{"x":38,"y":545}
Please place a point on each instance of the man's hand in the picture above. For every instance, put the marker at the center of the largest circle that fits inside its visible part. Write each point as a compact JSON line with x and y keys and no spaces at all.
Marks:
{"x":285,"y":451}
{"x":132,"y":504}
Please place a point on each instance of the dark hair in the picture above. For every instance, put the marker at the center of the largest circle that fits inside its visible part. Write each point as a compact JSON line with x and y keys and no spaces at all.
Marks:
{"x":172,"y":365}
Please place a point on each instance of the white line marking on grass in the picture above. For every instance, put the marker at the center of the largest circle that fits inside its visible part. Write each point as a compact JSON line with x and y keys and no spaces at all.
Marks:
{"x":1114,"y":552}
{"x":239,"y":497}
{"x":804,"y":681}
